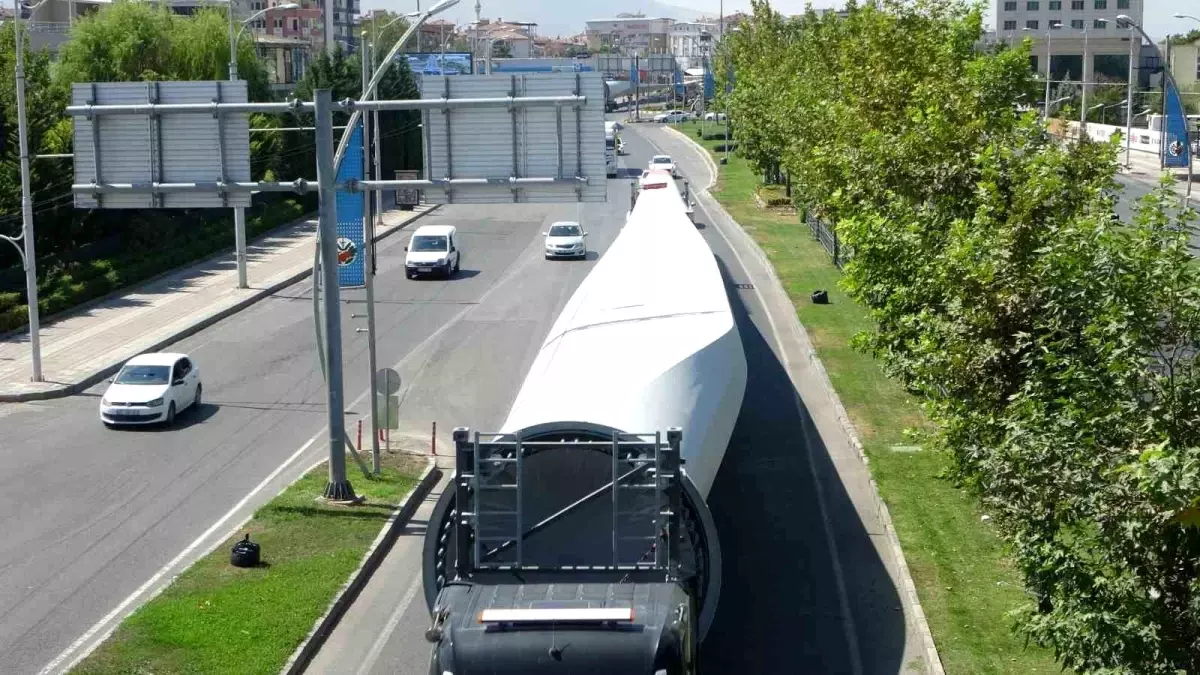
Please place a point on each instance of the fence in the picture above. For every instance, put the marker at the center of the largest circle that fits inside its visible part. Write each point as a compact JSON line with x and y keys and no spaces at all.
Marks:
{"x":827,"y":235}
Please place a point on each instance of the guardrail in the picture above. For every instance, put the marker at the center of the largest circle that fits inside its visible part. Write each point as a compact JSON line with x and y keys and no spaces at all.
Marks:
{"x":827,"y":235}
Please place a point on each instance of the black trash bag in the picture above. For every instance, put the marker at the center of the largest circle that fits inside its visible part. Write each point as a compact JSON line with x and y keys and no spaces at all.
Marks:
{"x":820,"y":298}
{"x":245,"y":553}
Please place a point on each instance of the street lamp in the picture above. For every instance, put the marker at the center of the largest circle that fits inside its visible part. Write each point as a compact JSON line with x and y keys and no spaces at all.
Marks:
{"x":28,"y":256}
{"x":1185,"y":16}
{"x":239,"y":213}
{"x":331,"y":357}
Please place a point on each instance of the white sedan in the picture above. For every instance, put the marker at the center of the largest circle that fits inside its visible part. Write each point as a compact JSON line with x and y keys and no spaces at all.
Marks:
{"x":663,"y":163}
{"x":151,"y":388}
{"x":566,"y":239}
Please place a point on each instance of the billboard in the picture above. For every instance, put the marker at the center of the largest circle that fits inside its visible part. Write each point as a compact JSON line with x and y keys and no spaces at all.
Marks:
{"x":438,"y":63}
{"x":351,"y":249}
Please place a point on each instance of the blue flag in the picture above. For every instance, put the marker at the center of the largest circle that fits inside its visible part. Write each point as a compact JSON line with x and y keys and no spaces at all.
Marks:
{"x":679,"y":88}
{"x":1176,"y":142}
{"x":710,"y":84}
{"x":633,"y":74}
{"x":351,"y":253}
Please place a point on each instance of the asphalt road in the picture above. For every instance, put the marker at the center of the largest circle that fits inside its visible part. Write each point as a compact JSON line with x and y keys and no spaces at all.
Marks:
{"x":90,"y":515}
{"x":805,"y":587}
{"x":1133,"y":189}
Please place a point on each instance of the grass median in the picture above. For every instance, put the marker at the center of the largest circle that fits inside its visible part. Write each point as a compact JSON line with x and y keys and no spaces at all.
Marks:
{"x":958,"y":563}
{"x":216,"y":618}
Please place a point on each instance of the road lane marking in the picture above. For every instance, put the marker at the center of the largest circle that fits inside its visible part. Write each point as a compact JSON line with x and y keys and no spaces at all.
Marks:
{"x":390,"y":627}
{"x":101,"y":627}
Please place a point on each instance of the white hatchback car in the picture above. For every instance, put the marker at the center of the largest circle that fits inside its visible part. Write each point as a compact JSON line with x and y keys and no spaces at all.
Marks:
{"x":151,"y":388}
{"x":566,"y":240}
{"x":663,"y":163}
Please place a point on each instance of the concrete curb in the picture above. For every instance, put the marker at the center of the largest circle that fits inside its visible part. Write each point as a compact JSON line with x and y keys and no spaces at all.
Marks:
{"x":932,"y":660}
{"x":373,"y":558}
{"x":76,"y":387}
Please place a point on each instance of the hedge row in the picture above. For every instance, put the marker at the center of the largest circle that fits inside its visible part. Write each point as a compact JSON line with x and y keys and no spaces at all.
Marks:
{"x":68,"y":285}
{"x":716,"y":136}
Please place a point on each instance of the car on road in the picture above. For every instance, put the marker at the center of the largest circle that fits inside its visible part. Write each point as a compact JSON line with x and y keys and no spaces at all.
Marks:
{"x":150,"y":388}
{"x":714,"y":117}
{"x":566,"y":239}
{"x":672,"y":116}
{"x":663,"y":163}
{"x":433,"y":249}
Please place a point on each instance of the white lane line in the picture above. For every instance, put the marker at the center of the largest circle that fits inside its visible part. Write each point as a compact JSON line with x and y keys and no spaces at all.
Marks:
{"x":835,"y":559}
{"x":166,"y":569}
{"x":116,"y":613}
{"x":390,"y":627}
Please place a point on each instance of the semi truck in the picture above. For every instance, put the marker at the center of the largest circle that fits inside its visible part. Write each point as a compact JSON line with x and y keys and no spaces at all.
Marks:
{"x":577,"y":537}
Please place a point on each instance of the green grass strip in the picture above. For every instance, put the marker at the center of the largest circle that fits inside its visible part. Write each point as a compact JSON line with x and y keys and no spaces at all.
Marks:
{"x":957,"y":561}
{"x":216,"y":618}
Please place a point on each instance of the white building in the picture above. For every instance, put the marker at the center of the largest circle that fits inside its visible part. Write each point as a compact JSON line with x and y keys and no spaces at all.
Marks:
{"x":1060,"y":28}
{"x":685,"y":41}
{"x":630,"y":35}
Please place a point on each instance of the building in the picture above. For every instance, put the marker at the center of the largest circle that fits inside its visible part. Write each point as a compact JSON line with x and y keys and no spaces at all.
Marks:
{"x":686,"y":42}
{"x":512,"y":38}
{"x":432,"y":35}
{"x":630,"y":35}
{"x":286,"y":60}
{"x":1060,"y":29}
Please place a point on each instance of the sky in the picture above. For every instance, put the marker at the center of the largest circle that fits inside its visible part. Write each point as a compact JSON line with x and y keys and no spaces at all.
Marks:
{"x":1157,"y":20}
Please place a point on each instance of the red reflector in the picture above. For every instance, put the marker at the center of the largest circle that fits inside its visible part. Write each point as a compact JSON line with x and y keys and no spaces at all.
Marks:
{"x":654,"y":186}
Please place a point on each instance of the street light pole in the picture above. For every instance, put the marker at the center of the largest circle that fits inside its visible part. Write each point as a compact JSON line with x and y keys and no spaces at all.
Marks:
{"x":369,"y":265}
{"x":28,"y":255}
{"x":1049,"y":71}
{"x":1171,"y":79}
{"x":1129,"y":99}
{"x":239,"y":213}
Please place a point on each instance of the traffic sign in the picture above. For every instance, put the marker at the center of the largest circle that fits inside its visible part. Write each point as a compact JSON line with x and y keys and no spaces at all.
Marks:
{"x":387,"y":381}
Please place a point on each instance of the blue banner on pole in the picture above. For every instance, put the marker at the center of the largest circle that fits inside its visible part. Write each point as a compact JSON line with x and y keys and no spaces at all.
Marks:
{"x":710,"y":84}
{"x":1178,"y":150}
{"x":351,"y":252}
{"x":633,"y":74}
{"x":729,"y":79}
{"x":679,"y":88}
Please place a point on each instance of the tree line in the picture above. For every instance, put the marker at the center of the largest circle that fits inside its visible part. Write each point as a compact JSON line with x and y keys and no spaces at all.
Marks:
{"x":1053,"y":347}
{"x":84,"y":254}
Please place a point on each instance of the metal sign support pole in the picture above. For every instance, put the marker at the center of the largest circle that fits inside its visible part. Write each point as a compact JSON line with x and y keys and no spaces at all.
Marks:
{"x":338,"y":488}
{"x":369,"y":263}
{"x":28,"y":255}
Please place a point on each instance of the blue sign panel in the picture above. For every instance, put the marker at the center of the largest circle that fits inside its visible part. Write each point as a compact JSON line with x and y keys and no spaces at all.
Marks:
{"x":1177,"y":150}
{"x":437,"y":63}
{"x":351,"y":251}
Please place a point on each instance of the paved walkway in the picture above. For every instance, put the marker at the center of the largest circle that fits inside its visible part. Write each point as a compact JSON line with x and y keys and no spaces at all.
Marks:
{"x":85,"y":345}
{"x":1146,"y":167}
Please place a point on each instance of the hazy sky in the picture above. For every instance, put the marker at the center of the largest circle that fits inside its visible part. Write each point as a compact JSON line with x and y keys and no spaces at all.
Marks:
{"x":1157,"y":19}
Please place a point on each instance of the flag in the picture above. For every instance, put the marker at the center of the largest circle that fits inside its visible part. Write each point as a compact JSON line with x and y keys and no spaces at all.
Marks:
{"x":710,"y":84}
{"x":351,"y":251}
{"x":679,"y":89}
{"x":633,"y":74}
{"x":1176,"y":140}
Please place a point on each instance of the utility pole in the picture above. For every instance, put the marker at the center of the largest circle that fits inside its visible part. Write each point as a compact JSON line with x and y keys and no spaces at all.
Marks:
{"x":338,"y":488}
{"x":1134,"y":39}
{"x":239,"y":213}
{"x":28,"y":255}
{"x":369,"y":259}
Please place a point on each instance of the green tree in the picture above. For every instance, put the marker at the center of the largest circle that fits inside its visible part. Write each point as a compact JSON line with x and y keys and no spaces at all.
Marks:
{"x":384,"y":38}
{"x":1055,"y":352}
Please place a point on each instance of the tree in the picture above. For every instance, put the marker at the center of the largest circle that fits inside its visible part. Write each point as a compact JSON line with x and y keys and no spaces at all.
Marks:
{"x":384,"y":38}
{"x":1055,"y":352}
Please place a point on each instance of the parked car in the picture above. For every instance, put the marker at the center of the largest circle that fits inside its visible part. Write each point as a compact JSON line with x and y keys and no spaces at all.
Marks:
{"x":433,"y":249}
{"x":714,"y":117}
{"x":664,"y":163}
{"x":566,"y":239}
{"x":151,"y":388}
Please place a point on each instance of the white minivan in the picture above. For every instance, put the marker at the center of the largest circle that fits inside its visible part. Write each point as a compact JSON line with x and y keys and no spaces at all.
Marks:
{"x":433,"y":249}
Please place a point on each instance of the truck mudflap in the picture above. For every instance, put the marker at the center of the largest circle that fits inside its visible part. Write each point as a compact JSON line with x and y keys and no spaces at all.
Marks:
{"x":527,"y":629}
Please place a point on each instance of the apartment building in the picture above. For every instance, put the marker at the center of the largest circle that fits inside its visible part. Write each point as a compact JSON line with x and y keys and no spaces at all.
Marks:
{"x":630,"y":35}
{"x":685,"y":42}
{"x":1062,"y":30}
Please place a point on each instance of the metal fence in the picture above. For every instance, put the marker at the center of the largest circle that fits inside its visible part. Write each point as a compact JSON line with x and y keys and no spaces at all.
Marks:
{"x":828,"y":236}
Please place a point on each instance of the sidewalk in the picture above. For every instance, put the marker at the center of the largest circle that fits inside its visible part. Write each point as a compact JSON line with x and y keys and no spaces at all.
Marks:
{"x":1146,"y":167}
{"x":87,"y":344}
